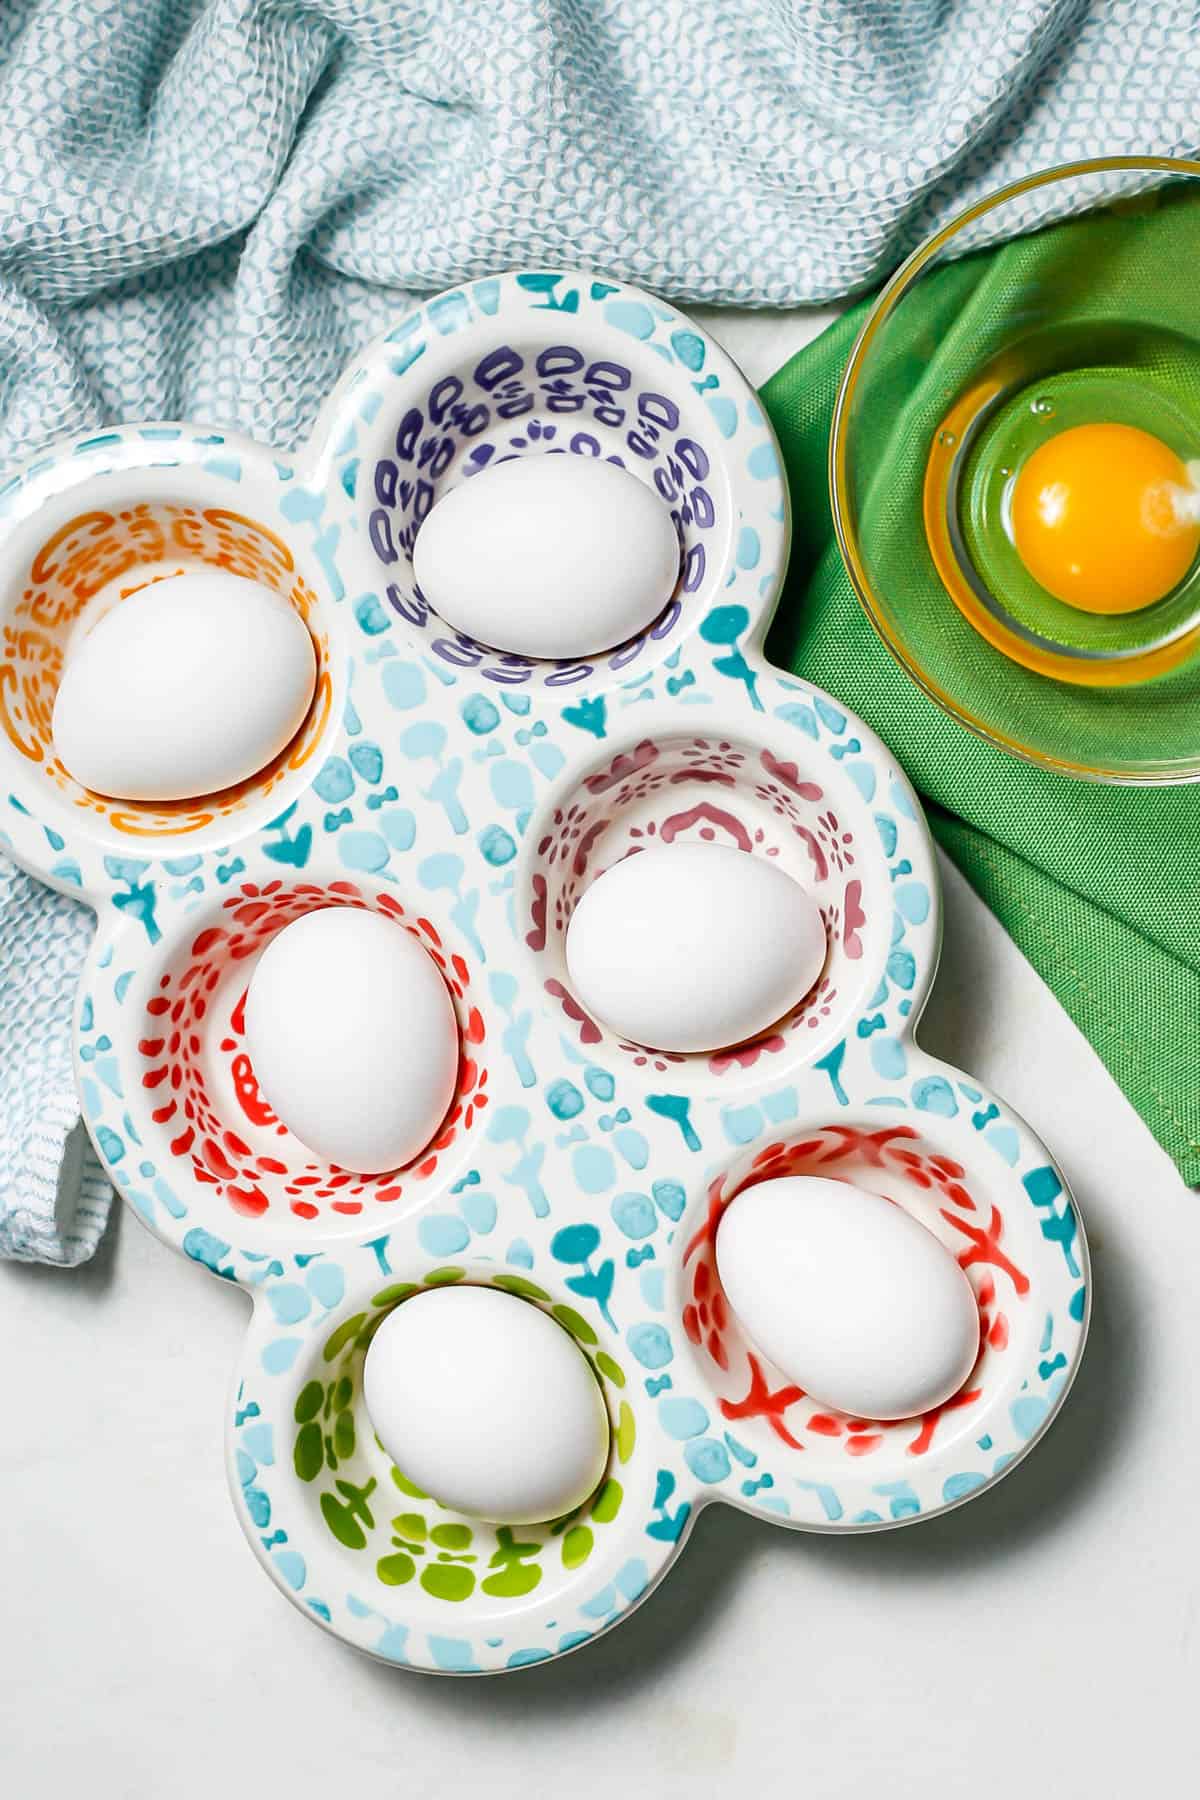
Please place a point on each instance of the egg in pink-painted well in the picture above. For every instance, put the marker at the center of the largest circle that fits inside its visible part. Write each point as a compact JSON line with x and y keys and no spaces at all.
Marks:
{"x":693,"y":947}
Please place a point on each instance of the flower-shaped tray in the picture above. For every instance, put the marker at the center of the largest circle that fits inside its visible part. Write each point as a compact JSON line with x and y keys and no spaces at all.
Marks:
{"x":472,"y":796}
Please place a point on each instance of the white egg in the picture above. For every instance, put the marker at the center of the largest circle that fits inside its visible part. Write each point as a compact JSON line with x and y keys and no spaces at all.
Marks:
{"x":486,"y":1403}
{"x":693,"y":947}
{"x":848,"y":1295}
{"x":190,"y":685}
{"x":552,"y":556}
{"x":352,"y":1036}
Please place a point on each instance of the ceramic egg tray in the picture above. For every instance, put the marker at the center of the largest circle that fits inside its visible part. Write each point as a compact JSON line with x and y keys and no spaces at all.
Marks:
{"x":471,"y":796}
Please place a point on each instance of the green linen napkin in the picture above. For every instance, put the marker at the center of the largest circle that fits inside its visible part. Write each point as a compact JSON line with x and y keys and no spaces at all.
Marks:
{"x":1098,"y":885}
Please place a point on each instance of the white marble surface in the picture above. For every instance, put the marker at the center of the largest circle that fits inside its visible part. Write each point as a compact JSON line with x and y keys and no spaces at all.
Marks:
{"x":1047,"y":1636}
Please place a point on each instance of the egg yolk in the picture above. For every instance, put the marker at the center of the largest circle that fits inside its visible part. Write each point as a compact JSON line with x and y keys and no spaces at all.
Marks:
{"x":1105,"y":518}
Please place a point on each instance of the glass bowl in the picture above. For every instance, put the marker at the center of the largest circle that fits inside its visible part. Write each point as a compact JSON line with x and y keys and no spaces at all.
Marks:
{"x":1086,"y":313}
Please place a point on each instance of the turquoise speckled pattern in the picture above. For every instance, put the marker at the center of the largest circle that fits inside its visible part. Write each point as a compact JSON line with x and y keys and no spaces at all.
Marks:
{"x":470,"y":796}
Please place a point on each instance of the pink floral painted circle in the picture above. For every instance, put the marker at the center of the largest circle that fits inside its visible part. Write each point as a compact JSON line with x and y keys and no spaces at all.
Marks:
{"x":709,"y":789}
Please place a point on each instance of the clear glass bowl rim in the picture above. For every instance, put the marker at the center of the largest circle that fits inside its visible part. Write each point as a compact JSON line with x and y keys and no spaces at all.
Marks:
{"x":900,"y":284}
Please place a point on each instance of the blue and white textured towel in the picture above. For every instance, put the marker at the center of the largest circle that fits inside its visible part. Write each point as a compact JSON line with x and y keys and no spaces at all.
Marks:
{"x":207,"y":205}
{"x":53,"y":1198}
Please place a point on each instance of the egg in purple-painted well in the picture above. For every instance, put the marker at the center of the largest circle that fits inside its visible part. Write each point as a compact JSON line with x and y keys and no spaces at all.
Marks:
{"x":548,"y":556}
{"x":693,"y":947}
{"x":848,"y":1295}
